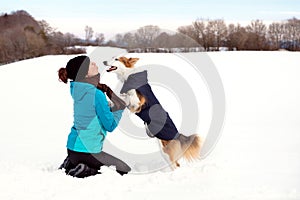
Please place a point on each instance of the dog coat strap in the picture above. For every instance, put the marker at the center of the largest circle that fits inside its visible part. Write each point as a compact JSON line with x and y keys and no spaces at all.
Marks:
{"x":148,"y":131}
{"x":134,"y":81}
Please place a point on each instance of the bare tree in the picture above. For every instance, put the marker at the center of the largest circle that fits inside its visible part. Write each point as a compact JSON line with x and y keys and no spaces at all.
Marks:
{"x":129,"y":40}
{"x":146,"y":35}
{"x":231,"y":40}
{"x":257,"y":26}
{"x":34,"y":44}
{"x":189,"y":31}
{"x":69,"y":39}
{"x":19,"y":43}
{"x":292,"y":31}
{"x":57,"y":41}
{"x":46,"y":28}
{"x":218,"y":30}
{"x":6,"y":46}
{"x":237,"y":37}
{"x":202,"y":34}
{"x":88,"y":33}
{"x":119,"y":40}
{"x":162,"y":40}
{"x":100,"y":38}
{"x":186,"y":37}
{"x":275,"y":34}
{"x":257,"y":34}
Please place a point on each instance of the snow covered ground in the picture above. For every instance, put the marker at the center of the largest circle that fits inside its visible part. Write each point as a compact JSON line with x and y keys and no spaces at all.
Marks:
{"x":257,"y":156}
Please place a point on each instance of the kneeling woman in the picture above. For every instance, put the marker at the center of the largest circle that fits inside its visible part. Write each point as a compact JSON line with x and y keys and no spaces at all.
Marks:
{"x":92,"y":119}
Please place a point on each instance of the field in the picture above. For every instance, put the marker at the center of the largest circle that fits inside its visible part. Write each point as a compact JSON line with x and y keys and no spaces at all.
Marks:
{"x":256,"y":156}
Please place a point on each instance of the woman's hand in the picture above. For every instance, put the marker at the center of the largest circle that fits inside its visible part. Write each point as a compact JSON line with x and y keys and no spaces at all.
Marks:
{"x":118,"y":104}
{"x":104,"y":88}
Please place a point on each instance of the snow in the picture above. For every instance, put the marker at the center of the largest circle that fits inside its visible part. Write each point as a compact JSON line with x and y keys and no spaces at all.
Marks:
{"x":256,"y":157}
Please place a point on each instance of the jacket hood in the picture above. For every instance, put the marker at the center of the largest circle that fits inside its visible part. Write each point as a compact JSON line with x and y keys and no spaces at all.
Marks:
{"x":80,"y":89}
{"x":134,"y":81}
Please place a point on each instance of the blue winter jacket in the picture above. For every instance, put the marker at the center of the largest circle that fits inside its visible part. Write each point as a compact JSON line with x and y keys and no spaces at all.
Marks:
{"x":92,"y":118}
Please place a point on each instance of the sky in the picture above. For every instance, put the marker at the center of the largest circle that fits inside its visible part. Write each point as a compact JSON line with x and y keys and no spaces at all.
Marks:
{"x":117,"y":16}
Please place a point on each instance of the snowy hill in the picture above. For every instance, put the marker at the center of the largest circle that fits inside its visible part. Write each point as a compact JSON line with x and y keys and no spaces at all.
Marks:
{"x":257,"y":156}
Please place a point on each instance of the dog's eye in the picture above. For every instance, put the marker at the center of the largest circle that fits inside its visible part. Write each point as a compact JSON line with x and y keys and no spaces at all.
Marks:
{"x":116,"y":59}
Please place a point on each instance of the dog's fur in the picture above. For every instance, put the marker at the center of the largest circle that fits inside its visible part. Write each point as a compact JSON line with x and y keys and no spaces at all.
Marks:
{"x":187,"y":147}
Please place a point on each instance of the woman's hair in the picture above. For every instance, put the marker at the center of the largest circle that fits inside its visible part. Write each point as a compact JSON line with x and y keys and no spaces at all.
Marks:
{"x":63,"y":75}
{"x":77,"y":68}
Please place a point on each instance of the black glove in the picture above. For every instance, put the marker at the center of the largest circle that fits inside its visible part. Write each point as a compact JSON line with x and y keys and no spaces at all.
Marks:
{"x":104,"y":88}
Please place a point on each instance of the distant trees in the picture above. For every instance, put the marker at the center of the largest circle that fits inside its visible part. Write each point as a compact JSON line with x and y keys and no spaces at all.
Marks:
{"x":19,"y":37}
{"x":208,"y":33}
{"x":275,"y":34}
{"x":256,"y":36}
{"x":201,"y":33}
{"x":99,"y":39}
{"x":88,"y":33}
{"x":211,"y":34}
{"x":149,"y":37}
{"x":292,"y":36}
{"x":218,"y":30}
{"x":146,"y":35}
{"x":23,"y":37}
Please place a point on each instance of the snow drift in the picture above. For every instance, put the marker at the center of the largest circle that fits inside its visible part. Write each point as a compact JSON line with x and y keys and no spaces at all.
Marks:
{"x":257,"y":156}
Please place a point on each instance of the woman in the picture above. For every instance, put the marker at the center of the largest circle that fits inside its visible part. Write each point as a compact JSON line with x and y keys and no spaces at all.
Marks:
{"x":92,"y":119}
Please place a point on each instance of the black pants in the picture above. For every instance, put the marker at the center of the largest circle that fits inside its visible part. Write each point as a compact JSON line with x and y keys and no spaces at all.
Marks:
{"x":97,"y":160}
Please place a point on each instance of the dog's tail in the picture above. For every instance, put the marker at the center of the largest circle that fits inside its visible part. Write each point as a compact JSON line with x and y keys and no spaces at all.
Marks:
{"x":191,"y":146}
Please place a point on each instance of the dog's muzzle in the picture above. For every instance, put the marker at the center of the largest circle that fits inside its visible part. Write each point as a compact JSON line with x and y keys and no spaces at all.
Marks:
{"x":112,"y":68}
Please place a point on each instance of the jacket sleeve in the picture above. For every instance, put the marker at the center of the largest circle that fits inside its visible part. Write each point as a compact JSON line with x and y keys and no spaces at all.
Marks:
{"x":108,"y":119}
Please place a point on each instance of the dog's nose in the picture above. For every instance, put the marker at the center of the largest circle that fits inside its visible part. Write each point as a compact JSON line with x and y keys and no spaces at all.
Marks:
{"x":105,"y":62}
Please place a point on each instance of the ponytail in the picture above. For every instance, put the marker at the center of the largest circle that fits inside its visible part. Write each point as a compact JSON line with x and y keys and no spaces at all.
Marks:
{"x":63,"y":75}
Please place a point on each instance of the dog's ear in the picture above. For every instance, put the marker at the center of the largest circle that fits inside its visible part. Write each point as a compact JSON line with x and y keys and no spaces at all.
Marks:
{"x":132,"y":61}
{"x":125,"y":61}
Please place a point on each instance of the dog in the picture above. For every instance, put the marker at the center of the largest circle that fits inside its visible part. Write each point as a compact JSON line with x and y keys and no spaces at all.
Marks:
{"x":141,"y":100}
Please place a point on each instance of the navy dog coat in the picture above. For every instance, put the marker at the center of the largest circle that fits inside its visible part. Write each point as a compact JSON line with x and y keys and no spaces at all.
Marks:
{"x":157,"y":119}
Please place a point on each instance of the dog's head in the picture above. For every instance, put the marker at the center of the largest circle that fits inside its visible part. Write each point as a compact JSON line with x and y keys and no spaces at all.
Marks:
{"x":120,"y":64}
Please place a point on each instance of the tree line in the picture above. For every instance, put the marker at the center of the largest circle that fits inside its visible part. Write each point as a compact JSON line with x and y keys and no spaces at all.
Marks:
{"x":23,"y":37}
{"x":213,"y":34}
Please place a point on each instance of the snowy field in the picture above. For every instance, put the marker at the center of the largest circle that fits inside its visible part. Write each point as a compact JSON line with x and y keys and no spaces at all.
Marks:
{"x":256,"y":157}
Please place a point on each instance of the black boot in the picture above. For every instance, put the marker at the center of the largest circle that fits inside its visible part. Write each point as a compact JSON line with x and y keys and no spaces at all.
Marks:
{"x":67,"y":165}
{"x":82,"y":171}
{"x":121,"y":172}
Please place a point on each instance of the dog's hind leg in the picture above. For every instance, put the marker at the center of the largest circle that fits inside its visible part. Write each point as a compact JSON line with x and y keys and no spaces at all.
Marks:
{"x":173,"y":149}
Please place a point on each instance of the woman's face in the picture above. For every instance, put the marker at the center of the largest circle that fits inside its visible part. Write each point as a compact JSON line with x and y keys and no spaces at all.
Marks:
{"x":93,"y":69}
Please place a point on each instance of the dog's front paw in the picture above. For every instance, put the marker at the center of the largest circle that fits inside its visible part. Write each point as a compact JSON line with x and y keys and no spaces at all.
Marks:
{"x":132,"y":109}
{"x":125,"y":98}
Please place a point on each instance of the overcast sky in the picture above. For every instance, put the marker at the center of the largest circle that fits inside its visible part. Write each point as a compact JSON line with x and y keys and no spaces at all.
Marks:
{"x":116,"y":16}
